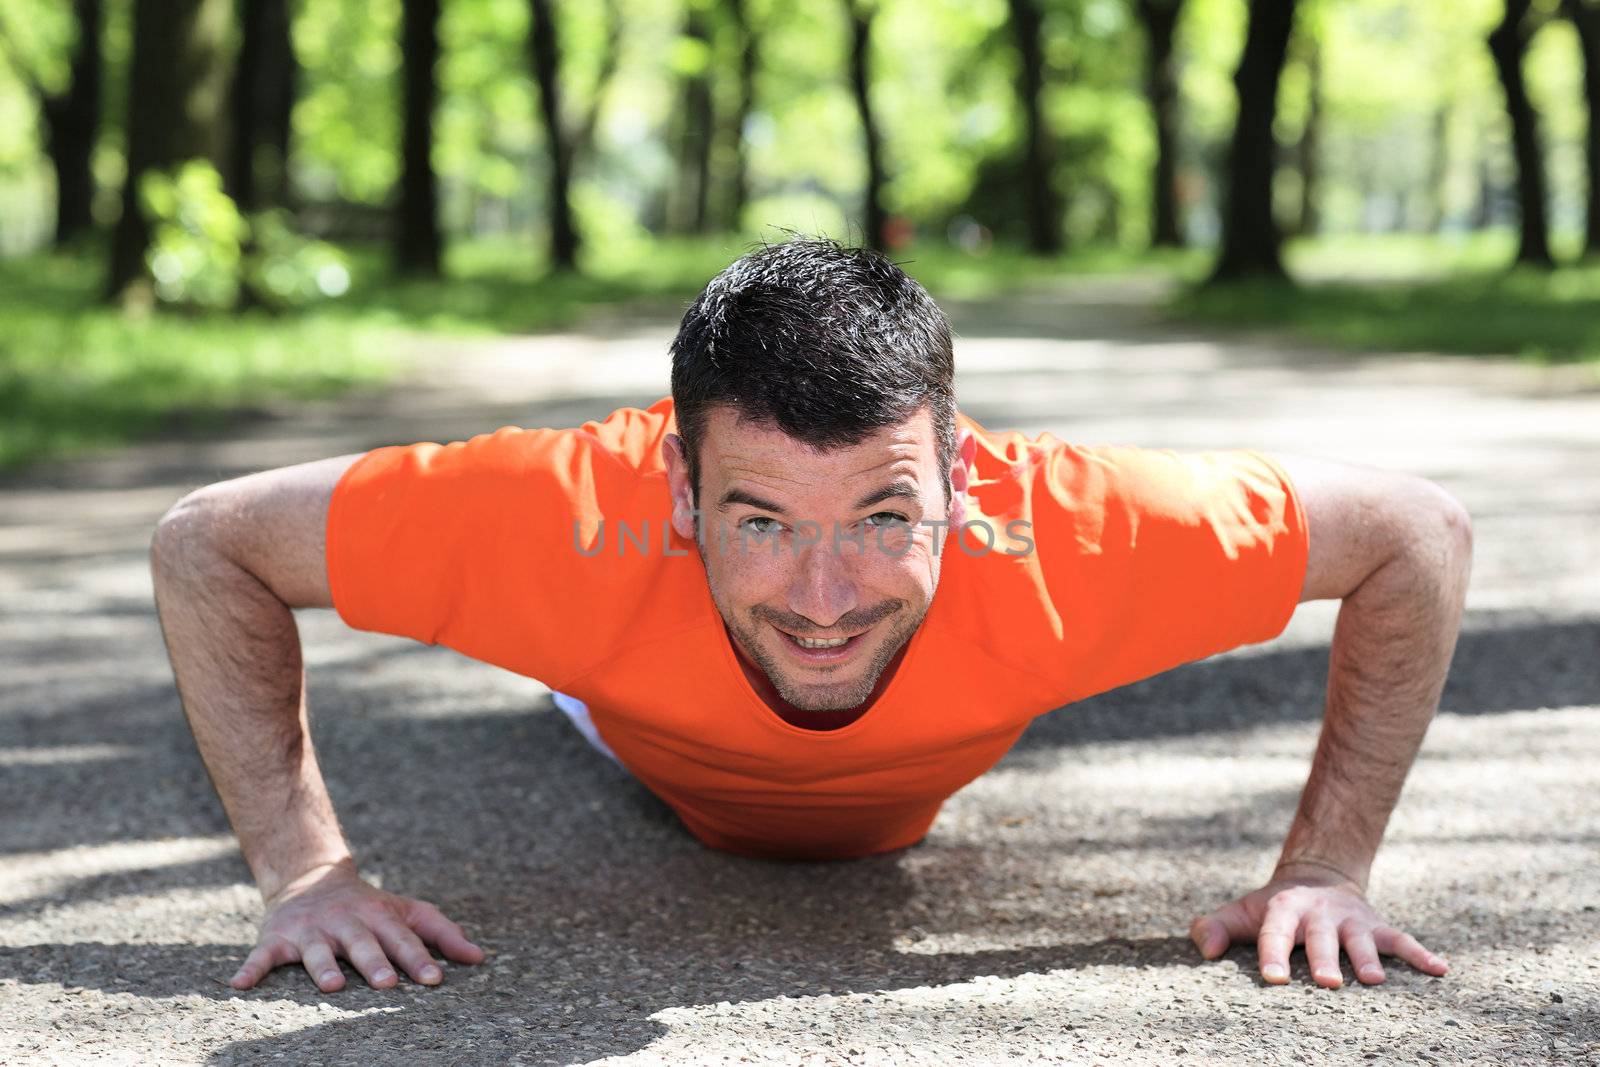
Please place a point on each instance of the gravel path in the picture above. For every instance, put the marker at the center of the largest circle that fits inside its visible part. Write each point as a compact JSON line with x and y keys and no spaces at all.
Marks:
{"x":1044,"y":918}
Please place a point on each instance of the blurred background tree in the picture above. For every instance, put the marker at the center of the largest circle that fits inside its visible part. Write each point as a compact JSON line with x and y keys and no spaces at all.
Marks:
{"x":419,"y":243}
{"x":265,"y":74}
{"x":1042,"y":123}
{"x":505,"y":162}
{"x":178,"y":84}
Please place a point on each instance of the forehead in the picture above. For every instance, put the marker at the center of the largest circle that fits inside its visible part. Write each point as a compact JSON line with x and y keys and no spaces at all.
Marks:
{"x":736,"y":447}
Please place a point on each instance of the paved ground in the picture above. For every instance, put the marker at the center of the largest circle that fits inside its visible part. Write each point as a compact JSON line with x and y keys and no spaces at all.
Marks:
{"x":1044,"y":917}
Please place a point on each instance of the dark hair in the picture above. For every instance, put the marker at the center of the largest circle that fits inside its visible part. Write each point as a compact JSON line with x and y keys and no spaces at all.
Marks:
{"x":825,"y":342}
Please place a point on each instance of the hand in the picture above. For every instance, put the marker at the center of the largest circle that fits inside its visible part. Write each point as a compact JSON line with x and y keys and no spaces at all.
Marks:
{"x":1320,"y":909}
{"x":330,"y":909}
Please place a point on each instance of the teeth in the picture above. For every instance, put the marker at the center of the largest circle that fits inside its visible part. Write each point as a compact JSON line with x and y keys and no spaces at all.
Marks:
{"x":806,"y":642}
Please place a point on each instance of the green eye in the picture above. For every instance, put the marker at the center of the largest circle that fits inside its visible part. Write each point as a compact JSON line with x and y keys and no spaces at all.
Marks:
{"x":890,"y":515}
{"x":761,"y":518}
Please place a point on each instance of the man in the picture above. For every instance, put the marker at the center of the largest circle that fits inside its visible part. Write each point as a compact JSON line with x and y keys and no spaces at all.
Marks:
{"x":733,"y":593}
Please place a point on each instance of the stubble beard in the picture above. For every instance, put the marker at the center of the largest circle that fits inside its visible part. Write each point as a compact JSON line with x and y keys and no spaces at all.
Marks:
{"x":816,"y":696}
{"x":828,"y":696}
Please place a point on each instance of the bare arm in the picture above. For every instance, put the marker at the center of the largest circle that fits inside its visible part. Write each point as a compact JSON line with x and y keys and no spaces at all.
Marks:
{"x":1392,"y":646}
{"x":229,"y":563}
{"x":1397,"y":551}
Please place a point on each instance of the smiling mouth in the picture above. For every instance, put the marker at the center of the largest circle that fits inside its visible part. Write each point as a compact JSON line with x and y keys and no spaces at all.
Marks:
{"x":811,"y":648}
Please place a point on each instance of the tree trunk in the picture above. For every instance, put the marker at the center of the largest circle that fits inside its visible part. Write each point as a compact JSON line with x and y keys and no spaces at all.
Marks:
{"x":1044,"y":212}
{"x":1585,"y":15}
{"x":694,"y":122}
{"x":177,"y":83}
{"x":861,"y":14}
{"x":263,"y":100}
{"x":419,"y":246}
{"x":1507,"y":44}
{"x":547,"y":72}
{"x":1483,"y":207}
{"x":1160,"y":19}
{"x":737,"y":192}
{"x":1250,"y":237}
{"x":1310,"y":150}
{"x":1439,"y":169}
{"x":72,"y":121}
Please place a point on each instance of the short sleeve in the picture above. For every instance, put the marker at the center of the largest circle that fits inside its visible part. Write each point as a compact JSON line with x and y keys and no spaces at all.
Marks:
{"x":1183,"y":555}
{"x":1134,"y":561}
{"x":471,"y":544}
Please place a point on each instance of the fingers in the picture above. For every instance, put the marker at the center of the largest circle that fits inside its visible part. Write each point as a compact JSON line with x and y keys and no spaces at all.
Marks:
{"x":361,"y":948}
{"x":409,"y":952}
{"x":1363,"y":953}
{"x":363,"y":926}
{"x":1327,"y":919}
{"x":1212,"y":934}
{"x":1392,"y":942}
{"x":434,"y":927}
{"x":316,"y":954}
{"x":271,"y":952}
{"x":1322,"y":951}
{"x":1279,"y":933}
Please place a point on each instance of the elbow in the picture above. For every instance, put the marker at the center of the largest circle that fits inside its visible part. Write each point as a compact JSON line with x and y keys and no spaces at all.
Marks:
{"x":1458,"y":525}
{"x":181,"y":535}
{"x":1442,"y":528}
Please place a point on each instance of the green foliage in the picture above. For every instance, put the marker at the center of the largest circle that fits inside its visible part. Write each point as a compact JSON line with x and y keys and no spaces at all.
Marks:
{"x":76,"y":374}
{"x":202,"y":250}
{"x":347,"y":120}
{"x":283,"y":269}
{"x":197,"y":236}
{"x":958,"y":54}
{"x":1404,"y":85}
{"x":1467,"y":305}
{"x":36,"y":38}
{"x":487,"y":129}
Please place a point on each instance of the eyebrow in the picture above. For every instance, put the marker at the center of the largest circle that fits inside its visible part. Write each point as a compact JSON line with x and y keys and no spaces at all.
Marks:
{"x":902,"y":488}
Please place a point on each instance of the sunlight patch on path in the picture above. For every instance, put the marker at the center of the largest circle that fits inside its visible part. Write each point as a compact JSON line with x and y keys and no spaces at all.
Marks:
{"x":55,"y":1024}
{"x":47,"y":755}
{"x":31,"y":874}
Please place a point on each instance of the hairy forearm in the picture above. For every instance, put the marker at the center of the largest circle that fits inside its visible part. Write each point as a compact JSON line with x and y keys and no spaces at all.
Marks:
{"x":1392,"y":646}
{"x":235,"y":653}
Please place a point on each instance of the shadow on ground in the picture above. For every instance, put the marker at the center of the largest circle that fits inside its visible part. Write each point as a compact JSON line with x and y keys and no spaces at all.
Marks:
{"x":551,"y":856}
{"x":598,"y":908}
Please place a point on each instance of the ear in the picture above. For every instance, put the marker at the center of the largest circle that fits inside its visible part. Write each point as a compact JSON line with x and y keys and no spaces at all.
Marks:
{"x":678,"y":485}
{"x":961,"y":475}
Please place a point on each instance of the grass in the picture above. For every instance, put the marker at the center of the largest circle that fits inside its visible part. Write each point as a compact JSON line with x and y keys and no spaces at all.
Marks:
{"x":77,"y":375}
{"x":1367,"y":296}
{"x":502,"y":286}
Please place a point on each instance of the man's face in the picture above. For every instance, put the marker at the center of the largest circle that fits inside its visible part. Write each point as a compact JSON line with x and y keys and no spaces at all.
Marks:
{"x":819,"y":545}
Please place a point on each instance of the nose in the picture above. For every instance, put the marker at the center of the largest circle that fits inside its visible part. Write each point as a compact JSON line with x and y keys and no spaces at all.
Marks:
{"x":824,"y":586}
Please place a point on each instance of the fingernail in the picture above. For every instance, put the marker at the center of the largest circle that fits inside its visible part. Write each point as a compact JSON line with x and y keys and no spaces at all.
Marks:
{"x":330,"y":976}
{"x":1275,"y":970}
{"x":430,"y":973}
{"x":382,"y":976}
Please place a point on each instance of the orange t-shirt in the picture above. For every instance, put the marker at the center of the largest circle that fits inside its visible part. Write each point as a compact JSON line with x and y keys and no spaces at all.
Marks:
{"x":1142,"y":560}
